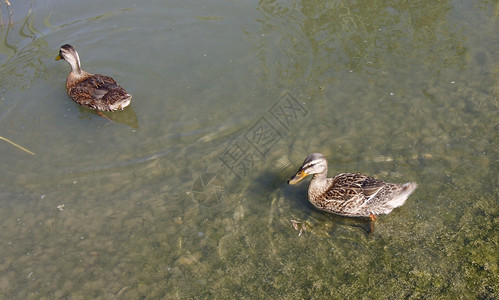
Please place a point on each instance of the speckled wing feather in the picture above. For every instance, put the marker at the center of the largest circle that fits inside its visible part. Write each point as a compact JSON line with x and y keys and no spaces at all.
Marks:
{"x":348,"y":193}
{"x":371,"y":186}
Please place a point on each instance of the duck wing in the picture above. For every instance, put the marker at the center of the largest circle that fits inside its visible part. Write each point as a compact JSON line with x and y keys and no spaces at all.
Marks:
{"x":349,"y":193}
{"x":348,"y":185}
{"x":370,"y":186}
{"x":97,"y":92}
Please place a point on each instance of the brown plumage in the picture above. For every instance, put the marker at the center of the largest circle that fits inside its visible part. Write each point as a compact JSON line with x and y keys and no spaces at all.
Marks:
{"x":96,"y":91}
{"x":347,"y":194}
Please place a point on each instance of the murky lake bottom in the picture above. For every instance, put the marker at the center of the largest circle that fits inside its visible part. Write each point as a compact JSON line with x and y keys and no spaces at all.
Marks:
{"x":184,"y":195}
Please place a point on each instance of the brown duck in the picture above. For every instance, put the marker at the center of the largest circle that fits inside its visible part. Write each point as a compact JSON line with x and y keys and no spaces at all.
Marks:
{"x":347,"y":194}
{"x":96,"y":91}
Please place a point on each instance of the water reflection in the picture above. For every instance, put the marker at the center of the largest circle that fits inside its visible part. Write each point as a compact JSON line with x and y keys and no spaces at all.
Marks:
{"x":24,"y":44}
{"x":362,"y":36}
{"x":21,"y":16}
{"x":126,"y":116}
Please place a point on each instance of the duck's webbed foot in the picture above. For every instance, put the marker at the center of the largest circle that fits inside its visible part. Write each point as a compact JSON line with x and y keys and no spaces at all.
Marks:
{"x":103,"y":115}
{"x":373,"y":218}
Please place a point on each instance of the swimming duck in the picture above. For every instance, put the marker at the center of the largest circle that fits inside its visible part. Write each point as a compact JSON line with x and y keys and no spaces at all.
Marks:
{"x":96,"y":91}
{"x":347,"y":194}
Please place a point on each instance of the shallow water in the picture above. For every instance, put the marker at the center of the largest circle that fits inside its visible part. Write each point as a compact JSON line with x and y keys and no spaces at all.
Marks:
{"x":184,"y":194}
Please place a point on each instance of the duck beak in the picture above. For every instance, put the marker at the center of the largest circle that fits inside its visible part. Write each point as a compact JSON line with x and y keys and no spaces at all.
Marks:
{"x":58,"y":57}
{"x":297,"y":177}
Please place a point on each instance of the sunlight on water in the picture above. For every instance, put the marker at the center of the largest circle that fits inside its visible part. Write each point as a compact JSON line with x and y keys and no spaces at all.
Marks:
{"x":184,"y":195}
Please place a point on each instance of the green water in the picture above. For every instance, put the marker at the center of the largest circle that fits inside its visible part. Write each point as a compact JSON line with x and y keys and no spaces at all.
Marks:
{"x":184,"y":194}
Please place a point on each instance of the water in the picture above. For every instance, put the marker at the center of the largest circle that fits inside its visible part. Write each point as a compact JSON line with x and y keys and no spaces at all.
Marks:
{"x":184,"y":195}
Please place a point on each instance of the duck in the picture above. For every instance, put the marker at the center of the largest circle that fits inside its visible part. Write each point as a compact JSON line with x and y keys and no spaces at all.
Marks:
{"x":95,"y":91}
{"x":350,"y":194}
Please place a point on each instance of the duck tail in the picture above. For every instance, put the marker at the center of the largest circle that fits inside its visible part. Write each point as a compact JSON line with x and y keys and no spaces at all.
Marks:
{"x":402,"y":194}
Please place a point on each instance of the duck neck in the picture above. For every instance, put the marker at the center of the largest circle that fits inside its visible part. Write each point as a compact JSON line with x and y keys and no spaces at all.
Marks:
{"x":73,"y":60}
{"x":77,"y":74}
{"x":75,"y":67}
{"x":318,"y":185}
